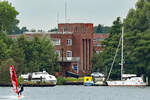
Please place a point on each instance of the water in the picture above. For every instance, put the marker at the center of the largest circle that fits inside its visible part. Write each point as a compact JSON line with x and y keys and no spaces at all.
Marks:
{"x":78,"y":93}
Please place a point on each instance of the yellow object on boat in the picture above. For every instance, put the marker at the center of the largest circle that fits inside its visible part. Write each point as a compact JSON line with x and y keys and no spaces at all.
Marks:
{"x":87,"y":78}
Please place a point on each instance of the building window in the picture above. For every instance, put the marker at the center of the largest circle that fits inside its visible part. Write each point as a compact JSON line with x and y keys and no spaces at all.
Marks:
{"x":75,"y":67}
{"x":58,"y":52}
{"x":75,"y":29}
{"x":56,"y":41}
{"x":98,"y":39}
{"x":69,"y":54}
{"x":69,"y":42}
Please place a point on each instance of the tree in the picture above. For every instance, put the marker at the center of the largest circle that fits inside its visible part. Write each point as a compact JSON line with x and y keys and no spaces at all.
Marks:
{"x":53,"y":30}
{"x":39,"y":54}
{"x":136,"y":42}
{"x":3,"y":50}
{"x":17,"y":54}
{"x":101,"y":29}
{"x":96,"y":63}
{"x":4,"y":70}
{"x":24,"y":29}
{"x":5,"y":59}
{"x":32,"y":30}
{"x":116,"y":28}
{"x":8,"y":16}
{"x":137,"y":37}
{"x":104,"y":59}
{"x":14,"y":29}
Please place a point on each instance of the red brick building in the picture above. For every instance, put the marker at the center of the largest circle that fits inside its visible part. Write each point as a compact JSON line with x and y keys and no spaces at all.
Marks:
{"x":75,"y":48}
{"x":97,"y":39}
{"x":74,"y":45}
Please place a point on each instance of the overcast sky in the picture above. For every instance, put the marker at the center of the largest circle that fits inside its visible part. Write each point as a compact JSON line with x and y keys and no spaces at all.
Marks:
{"x":44,"y":14}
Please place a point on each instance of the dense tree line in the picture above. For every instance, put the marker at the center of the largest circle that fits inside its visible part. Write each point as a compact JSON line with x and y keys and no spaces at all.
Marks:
{"x":136,"y":43}
{"x":26,"y":54}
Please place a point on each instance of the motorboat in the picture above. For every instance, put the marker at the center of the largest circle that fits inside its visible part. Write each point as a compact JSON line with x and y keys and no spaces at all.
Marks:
{"x":39,"y":76}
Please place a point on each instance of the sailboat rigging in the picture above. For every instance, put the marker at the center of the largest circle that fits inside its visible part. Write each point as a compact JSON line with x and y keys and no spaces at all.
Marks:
{"x":126,"y":79}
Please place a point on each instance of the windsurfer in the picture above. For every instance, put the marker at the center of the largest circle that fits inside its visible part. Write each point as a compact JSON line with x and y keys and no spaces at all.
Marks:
{"x":21,"y":90}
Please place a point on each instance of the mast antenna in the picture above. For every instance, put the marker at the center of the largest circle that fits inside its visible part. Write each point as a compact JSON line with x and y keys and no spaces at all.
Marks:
{"x":57,"y":17}
{"x":65,"y":11}
{"x":122,"y":53}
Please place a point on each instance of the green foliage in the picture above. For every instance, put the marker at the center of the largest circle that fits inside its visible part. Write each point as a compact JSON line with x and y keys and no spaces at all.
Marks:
{"x":8,"y":21}
{"x":101,"y":62}
{"x":20,"y":80}
{"x":39,"y":54}
{"x":17,"y":30}
{"x":136,"y":43}
{"x":71,"y":79}
{"x":27,"y":55}
{"x":24,"y":29}
{"x":3,"y":50}
{"x":116,"y":28}
{"x":137,"y":25}
{"x":101,"y":29}
{"x":4,"y":70}
{"x":7,"y":16}
{"x":96,"y":63}
{"x":60,"y":81}
{"x":53,"y":30}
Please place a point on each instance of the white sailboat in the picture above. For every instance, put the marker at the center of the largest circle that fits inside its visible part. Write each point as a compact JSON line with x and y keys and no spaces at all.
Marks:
{"x":126,"y":79}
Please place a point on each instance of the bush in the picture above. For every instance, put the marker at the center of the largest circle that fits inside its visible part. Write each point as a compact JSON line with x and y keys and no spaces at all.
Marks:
{"x":60,"y":81}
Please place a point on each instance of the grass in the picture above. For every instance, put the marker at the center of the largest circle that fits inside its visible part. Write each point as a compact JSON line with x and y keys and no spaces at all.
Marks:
{"x":63,"y":80}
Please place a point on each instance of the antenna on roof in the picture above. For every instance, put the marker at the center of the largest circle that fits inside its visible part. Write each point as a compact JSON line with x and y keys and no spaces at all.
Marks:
{"x":65,"y":28}
{"x":57,"y":18}
{"x":65,"y":11}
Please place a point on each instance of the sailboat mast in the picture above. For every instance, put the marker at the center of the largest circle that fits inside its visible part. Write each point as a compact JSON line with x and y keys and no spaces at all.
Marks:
{"x":122,"y":53}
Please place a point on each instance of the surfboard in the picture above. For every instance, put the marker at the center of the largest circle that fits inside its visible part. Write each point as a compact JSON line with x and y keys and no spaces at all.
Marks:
{"x":19,"y":96}
{"x":14,"y":79}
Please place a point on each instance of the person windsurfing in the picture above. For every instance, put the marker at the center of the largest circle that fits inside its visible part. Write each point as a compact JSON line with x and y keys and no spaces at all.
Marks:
{"x":21,"y":90}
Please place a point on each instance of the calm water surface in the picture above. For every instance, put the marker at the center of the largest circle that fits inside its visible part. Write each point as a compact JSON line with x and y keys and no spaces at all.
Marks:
{"x":78,"y":93}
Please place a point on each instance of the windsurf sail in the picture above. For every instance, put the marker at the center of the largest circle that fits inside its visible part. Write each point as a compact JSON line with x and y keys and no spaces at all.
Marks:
{"x":14,"y":79}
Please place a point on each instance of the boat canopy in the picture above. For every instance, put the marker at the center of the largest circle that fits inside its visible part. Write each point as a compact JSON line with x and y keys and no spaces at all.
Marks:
{"x":128,"y":75}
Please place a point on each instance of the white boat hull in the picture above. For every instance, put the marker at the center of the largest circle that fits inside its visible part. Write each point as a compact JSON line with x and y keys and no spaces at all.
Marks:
{"x":40,"y":76}
{"x":136,"y":81}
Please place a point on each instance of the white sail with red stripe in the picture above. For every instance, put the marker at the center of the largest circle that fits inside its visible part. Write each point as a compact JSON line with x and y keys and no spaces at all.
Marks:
{"x":14,"y":79}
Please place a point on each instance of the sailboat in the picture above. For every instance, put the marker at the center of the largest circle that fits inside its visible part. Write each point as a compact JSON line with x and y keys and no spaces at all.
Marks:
{"x":126,"y":79}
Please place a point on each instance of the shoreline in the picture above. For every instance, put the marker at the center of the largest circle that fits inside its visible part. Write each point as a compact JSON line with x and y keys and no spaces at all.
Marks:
{"x":27,"y":85}
{"x":43,"y":85}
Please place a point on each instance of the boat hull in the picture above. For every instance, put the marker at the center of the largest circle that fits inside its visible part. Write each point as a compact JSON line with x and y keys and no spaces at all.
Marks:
{"x":125,"y":83}
{"x":89,"y":83}
{"x":40,"y":76}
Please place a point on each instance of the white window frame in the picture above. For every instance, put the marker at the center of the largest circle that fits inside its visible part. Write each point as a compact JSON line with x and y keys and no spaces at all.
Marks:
{"x":58,"y":52}
{"x":69,"y":42}
{"x":69,"y":53}
{"x":56,"y":41}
